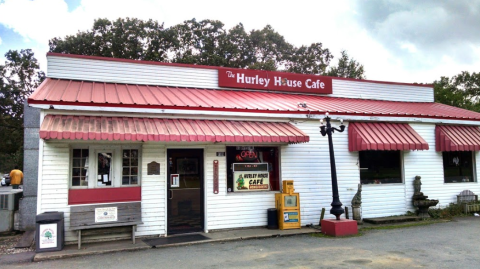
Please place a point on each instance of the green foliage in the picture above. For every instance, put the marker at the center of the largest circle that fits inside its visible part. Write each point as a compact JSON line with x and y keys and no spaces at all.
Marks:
{"x":452,"y":210}
{"x":204,"y":42}
{"x":19,"y":76}
{"x":347,"y":68}
{"x":462,"y":90}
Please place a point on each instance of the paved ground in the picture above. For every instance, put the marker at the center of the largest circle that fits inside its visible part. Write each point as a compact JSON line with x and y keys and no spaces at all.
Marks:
{"x":444,"y":245}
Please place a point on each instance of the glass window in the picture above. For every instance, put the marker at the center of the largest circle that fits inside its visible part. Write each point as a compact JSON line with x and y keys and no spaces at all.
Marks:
{"x":241,"y":176}
{"x":380,"y":167}
{"x":130,"y":167}
{"x":113,"y":166}
{"x":458,"y":166}
{"x":104,"y":168}
{"x":79,"y":167}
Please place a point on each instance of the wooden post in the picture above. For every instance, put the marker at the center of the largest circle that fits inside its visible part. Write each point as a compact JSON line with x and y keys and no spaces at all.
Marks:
{"x":321,"y":217}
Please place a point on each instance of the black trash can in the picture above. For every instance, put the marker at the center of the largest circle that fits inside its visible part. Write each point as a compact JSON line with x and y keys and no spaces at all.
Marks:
{"x":272,"y":218}
{"x":49,"y":234}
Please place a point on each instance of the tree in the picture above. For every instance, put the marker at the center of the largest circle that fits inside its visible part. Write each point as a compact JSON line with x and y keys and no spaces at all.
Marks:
{"x":462,"y":90}
{"x":18,"y":78}
{"x":347,"y":68}
{"x":204,"y":42}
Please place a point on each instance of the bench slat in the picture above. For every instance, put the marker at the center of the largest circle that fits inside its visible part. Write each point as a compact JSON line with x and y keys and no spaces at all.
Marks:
{"x":83,"y":218}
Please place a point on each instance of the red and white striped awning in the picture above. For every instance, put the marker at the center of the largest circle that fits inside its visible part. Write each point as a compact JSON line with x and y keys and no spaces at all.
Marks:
{"x":179,"y":130}
{"x":383,"y":136}
{"x":457,"y":138}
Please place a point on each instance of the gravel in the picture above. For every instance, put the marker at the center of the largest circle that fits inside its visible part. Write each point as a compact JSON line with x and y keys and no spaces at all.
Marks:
{"x":8,"y":243}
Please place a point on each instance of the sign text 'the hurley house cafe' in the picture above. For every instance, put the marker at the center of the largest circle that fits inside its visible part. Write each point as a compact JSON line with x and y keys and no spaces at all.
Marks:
{"x":274,"y":81}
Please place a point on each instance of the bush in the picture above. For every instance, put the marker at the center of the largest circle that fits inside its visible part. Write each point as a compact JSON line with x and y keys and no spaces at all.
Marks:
{"x":452,"y":210}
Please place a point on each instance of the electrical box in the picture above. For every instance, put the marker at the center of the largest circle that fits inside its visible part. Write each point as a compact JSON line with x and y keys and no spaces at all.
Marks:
{"x":288,"y":207}
{"x":8,"y":205}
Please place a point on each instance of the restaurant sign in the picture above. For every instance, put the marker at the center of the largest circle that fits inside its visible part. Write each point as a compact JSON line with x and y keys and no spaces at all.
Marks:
{"x":251,"y":177}
{"x":275,"y":81}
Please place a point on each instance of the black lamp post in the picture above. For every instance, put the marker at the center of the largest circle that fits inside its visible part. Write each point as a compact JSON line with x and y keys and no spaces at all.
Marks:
{"x":337,"y":209}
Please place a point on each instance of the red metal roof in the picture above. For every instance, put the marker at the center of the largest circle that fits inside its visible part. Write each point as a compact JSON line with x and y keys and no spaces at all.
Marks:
{"x":383,"y":136}
{"x":181,"y":130}
{"x":85,"y":93}
{"x":457,"y":138}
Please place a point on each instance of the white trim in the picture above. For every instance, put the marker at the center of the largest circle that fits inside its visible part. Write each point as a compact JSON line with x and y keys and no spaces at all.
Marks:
{"x":205,"y":194}
{"x":165,"y":232}
{"x":40,"y":168}
{"x":193,"y":114}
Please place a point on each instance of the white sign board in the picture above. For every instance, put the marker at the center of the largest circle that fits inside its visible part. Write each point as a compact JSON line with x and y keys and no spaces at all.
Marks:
{"x":48,"y":235}
{"x":106,"y":214}
{"x":175,"y":180}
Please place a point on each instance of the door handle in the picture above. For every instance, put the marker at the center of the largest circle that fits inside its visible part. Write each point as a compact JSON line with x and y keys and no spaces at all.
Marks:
{"x":171,"y":195}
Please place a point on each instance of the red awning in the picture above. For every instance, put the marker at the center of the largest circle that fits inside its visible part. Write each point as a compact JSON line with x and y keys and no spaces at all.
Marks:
{"x":180,"y":130}
{"x":53,"y":92}
{"x":457,"y":138}
{"x":383,"y":136}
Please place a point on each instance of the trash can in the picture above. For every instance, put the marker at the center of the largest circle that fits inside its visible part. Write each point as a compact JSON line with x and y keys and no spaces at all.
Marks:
{"x":272,"y":218}
{"x":49,"y":234}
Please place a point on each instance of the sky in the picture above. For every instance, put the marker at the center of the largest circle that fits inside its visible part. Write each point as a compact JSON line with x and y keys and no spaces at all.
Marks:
{"x":411,"y":41}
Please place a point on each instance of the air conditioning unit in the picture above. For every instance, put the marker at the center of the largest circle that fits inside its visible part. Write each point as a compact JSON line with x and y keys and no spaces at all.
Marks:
{"x":9,"y":203}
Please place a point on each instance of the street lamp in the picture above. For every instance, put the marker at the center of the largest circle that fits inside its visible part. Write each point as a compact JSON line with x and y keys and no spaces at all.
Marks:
{"x":337,"y":209}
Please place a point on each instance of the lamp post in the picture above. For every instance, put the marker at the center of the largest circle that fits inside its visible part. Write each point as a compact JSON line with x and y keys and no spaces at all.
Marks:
{"x":337,"y":209}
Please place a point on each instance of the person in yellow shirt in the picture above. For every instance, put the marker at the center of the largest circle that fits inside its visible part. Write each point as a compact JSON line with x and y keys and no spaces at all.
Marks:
{"x":16,"y":177}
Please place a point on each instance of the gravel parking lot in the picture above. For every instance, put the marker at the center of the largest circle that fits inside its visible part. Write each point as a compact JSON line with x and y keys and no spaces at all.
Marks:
{"x":443,"y":245}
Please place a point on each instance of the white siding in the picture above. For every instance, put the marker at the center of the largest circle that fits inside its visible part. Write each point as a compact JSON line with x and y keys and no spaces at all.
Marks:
{"x":308,"y":164}
{"x":381,"y":91}
{"x":429,"y":165}
{"x":133,"y":73}
{"x":146,"y":74}
{"x":232,"y":210}
{"x":153,"y":191}
{"x":55,"y":186}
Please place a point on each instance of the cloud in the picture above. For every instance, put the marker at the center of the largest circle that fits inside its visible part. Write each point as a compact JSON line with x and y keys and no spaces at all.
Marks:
{"x":424,"y":33}
{"x":41,"y":20}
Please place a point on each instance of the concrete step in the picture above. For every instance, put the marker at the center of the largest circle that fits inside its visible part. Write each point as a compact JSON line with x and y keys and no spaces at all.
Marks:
{"x":394,"y":219}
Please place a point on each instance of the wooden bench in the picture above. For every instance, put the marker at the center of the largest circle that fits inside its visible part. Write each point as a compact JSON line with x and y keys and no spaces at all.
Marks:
{"x":468,"y":201}
{"x":105,"y":216}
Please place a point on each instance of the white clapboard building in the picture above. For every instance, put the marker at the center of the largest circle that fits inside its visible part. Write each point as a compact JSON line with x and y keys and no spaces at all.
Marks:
{"x":206,"y":148}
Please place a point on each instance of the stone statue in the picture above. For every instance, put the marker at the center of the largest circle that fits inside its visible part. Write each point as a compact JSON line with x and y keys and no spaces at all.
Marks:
{"x":357,"y":199}
{"x":417,"y":185}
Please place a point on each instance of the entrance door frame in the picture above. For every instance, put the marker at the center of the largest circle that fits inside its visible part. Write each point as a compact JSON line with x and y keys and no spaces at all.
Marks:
{"x":203,"y":185}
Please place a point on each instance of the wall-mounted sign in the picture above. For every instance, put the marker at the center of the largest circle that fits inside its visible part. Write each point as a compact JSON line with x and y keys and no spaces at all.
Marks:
{"x":250,"y":167}
{"x":251,"y":177}
{"x":175,"y":180}
{"x":275,"y":81}
{"x":289,"y":217}
{"x":215,"y":177}
{"x":105,"y":214}
{"x":48,"y":235}
{"x":153,"y":168}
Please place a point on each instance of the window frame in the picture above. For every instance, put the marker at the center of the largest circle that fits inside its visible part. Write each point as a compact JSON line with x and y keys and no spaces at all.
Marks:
{"x":473,"y":167}
{"x":401,"y":166}
{"x":70,"y":169}
{"x":130,"y":167}
{"x":116,"y":166}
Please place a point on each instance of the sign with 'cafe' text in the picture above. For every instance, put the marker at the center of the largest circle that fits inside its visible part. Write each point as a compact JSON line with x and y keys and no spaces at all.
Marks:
{"x":273,"y":81}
